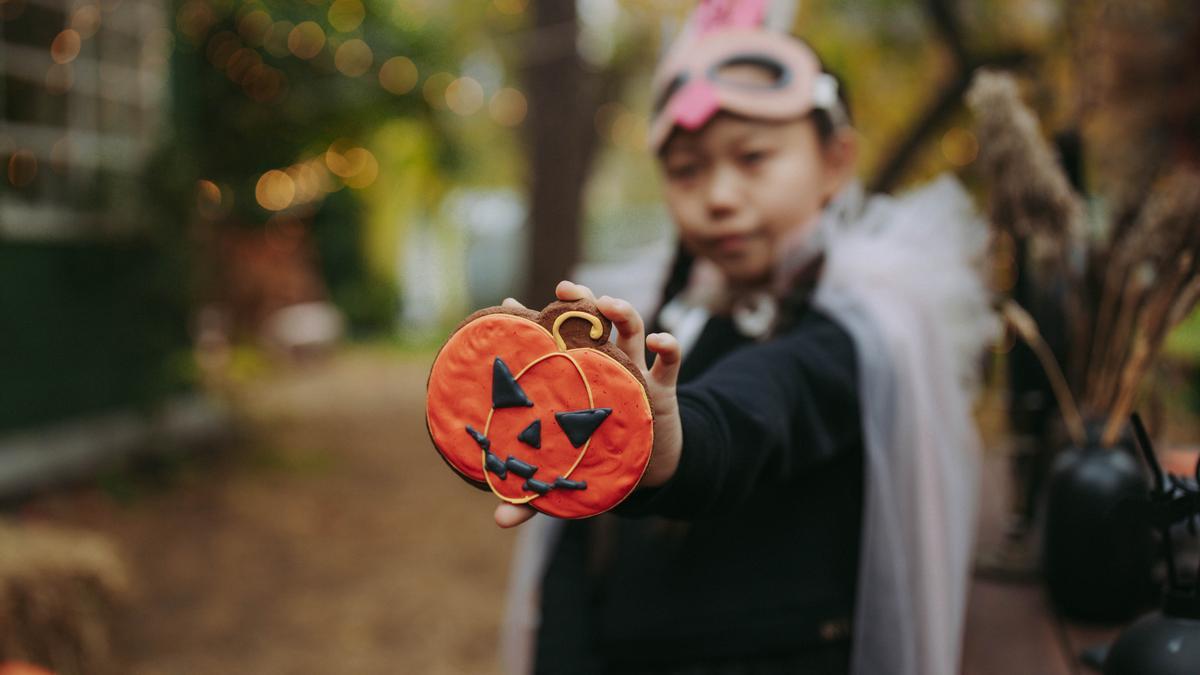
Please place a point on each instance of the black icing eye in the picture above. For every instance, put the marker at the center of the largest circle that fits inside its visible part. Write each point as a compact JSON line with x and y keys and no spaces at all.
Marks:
{"x":506,"y":393}
{"x":579,"y":425}
{"x":532,"y":435}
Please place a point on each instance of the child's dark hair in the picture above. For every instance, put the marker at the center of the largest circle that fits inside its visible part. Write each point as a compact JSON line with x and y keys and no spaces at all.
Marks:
{"x":825,"y":120}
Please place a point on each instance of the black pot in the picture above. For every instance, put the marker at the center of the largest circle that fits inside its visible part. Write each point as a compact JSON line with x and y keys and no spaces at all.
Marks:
{"x":1160,"y":643}
{"x":1096,"y":560}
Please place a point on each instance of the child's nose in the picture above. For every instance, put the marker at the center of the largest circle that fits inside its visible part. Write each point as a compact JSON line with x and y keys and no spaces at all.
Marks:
{"x":723,"y":195}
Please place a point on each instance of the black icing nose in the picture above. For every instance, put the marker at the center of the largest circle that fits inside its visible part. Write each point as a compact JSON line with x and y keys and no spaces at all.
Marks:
{"x":532,"y":435}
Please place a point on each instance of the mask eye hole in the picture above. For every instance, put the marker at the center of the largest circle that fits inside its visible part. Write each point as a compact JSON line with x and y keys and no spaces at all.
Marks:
{"x":670,"y":90}
{"x":751,"y":71}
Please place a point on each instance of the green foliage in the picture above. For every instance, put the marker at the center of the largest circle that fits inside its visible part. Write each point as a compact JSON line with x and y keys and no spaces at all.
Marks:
{"x":1184,"y":342}
{"x":295,"y":100}
{"x":233,"y":132}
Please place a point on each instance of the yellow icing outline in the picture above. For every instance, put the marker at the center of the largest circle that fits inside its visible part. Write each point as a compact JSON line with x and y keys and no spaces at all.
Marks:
{"x":596,"y":332}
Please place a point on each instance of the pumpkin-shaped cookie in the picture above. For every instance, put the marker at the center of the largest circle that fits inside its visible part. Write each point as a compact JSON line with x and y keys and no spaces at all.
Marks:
{"x":541,"y":408}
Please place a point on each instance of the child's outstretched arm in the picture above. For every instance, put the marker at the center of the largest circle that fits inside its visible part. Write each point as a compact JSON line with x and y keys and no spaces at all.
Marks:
{"x":660,"y":387}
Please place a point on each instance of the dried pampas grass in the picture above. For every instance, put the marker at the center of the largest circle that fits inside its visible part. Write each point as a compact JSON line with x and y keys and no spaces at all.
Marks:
{"x":1030,"y":196}
{"x":1149,"y":271}
{"x":58,"y":593}
{"x":1152,"y":281}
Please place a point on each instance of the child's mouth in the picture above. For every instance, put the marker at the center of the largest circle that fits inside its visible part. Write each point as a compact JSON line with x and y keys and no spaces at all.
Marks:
{"x":731,"y":244}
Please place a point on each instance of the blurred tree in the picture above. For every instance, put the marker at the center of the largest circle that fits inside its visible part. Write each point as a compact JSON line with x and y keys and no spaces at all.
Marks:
{"x":565,"y":93}
{"x":276,"y":106}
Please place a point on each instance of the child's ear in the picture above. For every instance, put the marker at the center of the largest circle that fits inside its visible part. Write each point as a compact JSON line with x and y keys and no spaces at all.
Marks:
{"x":840,"y":157}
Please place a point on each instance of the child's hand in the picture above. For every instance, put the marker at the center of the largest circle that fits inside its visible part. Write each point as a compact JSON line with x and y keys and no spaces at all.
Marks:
{"x":660,"y":387}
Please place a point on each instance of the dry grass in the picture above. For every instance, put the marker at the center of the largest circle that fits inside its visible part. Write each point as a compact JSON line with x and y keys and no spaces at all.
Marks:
{"x":59,"y":590}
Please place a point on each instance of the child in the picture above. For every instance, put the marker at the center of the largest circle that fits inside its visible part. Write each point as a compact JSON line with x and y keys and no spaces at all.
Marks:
{"x":813,"y":467}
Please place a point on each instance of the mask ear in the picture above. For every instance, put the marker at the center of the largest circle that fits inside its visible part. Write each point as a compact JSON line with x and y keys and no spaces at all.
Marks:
{"x":781,"y":15}
{"x":713,"y":15}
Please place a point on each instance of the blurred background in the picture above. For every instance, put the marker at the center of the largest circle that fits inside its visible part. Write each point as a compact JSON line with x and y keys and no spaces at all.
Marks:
{"x":234,"y":232}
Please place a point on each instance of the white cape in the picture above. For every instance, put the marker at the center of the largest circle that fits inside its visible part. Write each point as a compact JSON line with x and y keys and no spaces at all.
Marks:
{"x":900,"y":277}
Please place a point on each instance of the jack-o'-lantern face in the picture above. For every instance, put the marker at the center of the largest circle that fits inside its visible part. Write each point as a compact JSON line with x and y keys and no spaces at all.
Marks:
{"x":566,"y":430}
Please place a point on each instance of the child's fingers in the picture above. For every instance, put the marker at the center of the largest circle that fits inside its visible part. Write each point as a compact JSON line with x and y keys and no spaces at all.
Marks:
{"x":512,"y":303}
{"x":569,"y":290}
{"x":631,"y":337}
{"x":666,"y":367}
{"x":512,"y":515}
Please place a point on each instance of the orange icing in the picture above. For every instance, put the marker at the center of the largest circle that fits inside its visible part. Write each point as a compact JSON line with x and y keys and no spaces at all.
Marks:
{"x":611,"y":462}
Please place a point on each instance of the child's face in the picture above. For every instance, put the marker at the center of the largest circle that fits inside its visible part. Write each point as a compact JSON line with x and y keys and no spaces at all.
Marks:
{"x":737,"y":187}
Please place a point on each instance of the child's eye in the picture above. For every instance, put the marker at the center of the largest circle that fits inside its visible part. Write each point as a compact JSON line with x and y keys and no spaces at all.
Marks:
{"x":752,"y":157}
{"x":683,"y":170}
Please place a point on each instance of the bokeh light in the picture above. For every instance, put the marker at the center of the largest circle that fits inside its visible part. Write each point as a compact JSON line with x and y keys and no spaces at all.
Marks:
{"x":275,"y":190}
{"x":959,"y":146}
{"x":193,"y":20}
{"x":464,"y":96}
{"x":253,"y":27}
{"x":276,"y":40}
{"x":353,"y":58}
{"x":22,"y":168}
{"x":508,"y":107}
{"x":86,"y":20}
{"x":335,"y":158}
{"x":346,"y":15}
{"x":364,"y":166}
{"x":221,"y":47}
{"x":357,"y":167}
{"x":66,"y":46}
{"x":434,"y":90}
{"x":264,"y":83}
{"x":208,"y":199}
{"x":308,"y":181}
{"x":306,"y":40}
{"x":398,"y":75}
{"x":242,"y":61}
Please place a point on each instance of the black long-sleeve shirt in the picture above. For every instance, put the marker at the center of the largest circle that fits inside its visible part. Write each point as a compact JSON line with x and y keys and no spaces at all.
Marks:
{"x":753,"y":557}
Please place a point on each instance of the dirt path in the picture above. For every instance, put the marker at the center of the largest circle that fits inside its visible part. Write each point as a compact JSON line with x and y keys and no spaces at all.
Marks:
{"x":331,"y":540}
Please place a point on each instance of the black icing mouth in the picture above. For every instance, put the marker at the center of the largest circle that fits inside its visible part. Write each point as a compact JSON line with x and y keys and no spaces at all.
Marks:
{"x":518,"y":467}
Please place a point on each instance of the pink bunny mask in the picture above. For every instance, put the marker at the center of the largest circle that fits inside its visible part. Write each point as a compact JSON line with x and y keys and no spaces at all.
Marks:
{"x":689,"y":86}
